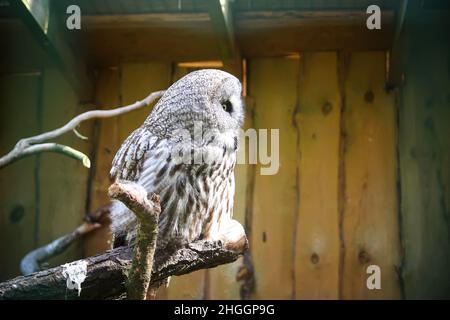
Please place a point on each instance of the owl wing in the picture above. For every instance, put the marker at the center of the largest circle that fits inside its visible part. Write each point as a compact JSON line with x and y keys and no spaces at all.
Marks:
{"x":130,"y":158}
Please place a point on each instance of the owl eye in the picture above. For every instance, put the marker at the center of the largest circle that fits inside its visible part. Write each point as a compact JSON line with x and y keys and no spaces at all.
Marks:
{"x":227,"y":106}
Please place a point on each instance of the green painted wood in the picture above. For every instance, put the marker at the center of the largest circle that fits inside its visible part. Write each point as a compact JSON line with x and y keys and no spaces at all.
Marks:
{"x":18,"y":101}
{"x":63,"y":181}
{"x":48,"y":29}
{"x":424,"y":156}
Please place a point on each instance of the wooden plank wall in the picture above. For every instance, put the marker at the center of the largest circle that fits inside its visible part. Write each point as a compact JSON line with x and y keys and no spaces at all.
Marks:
{"x":317,"y":231}
{"x":424,"y":154}
{"x":43,"y":197}
{"x":63,"y":181}
{"x":273,"y":86}
{"x":333,"y":208}
{"x":17,"y":181}
{"x":363,"y":178}
{"x":370,"y":221}
{"x":337,"y":210}
{"x":107,"y":96}
{"x":309,"y":238}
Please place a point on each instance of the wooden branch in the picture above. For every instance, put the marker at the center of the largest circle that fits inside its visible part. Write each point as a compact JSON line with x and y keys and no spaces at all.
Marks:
{"x":107,"y":273}
{"x":34,"y":145}
{"x":112,"y":275}
{"x":122,"y":273}
{"x":147,"y":208}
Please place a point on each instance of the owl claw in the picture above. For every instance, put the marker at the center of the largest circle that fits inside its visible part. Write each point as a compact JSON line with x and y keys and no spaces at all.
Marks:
{"x":231,"y":237}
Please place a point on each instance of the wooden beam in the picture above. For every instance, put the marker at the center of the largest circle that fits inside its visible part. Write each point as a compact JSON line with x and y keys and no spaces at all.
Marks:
{"x":253,"y":34}
{"x":145,"y":20}
{"x":266,"y":33}
{"x":248,"y":20}
{"x":43,"y":24}
{"x":222,"y":22}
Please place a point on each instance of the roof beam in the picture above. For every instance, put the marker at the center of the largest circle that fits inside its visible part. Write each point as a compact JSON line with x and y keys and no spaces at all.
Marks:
{"x":222,"y":21}
{"x":144,"y":20}
{"x":43,"y":23}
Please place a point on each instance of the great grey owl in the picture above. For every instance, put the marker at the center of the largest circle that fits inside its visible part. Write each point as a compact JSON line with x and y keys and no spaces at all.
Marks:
{"x":200,"y":114}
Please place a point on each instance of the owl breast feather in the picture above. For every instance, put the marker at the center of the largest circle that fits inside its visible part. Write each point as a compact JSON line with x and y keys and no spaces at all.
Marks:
{"x":194,"y":197}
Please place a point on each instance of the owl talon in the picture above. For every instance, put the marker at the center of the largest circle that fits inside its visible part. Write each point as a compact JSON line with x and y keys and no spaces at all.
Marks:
{"x":231,"y":237}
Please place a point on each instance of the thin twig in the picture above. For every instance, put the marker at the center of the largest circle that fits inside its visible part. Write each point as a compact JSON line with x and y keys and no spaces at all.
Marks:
{"x":32,"y":145}
{"x":79,"y":135}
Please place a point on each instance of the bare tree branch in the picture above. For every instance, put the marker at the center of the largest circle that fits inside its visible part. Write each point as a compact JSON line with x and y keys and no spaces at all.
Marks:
{"x":107,"y":273}
{"x":79,"y":135}
{"x":113,"y":275}
{"x":33,"y":145}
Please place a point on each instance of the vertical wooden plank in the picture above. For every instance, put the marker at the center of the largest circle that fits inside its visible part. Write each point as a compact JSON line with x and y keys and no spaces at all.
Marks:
{"x":107,"y":97}
{"x":424,"y":153}
{"x":63,"y":181}
{"x":18,"y":101}
{"x":317,"y":235}
{"x":137,"y":81}
{"x":273,"y":84}
{"x":179,"y":72}
{"x":370,"y":225}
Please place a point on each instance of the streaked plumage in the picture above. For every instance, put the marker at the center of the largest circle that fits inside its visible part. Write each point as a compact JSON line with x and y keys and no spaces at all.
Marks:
{"x":196,"y":197}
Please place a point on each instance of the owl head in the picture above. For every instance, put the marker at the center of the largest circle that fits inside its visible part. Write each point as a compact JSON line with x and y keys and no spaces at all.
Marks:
{"x":210,"y":97}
